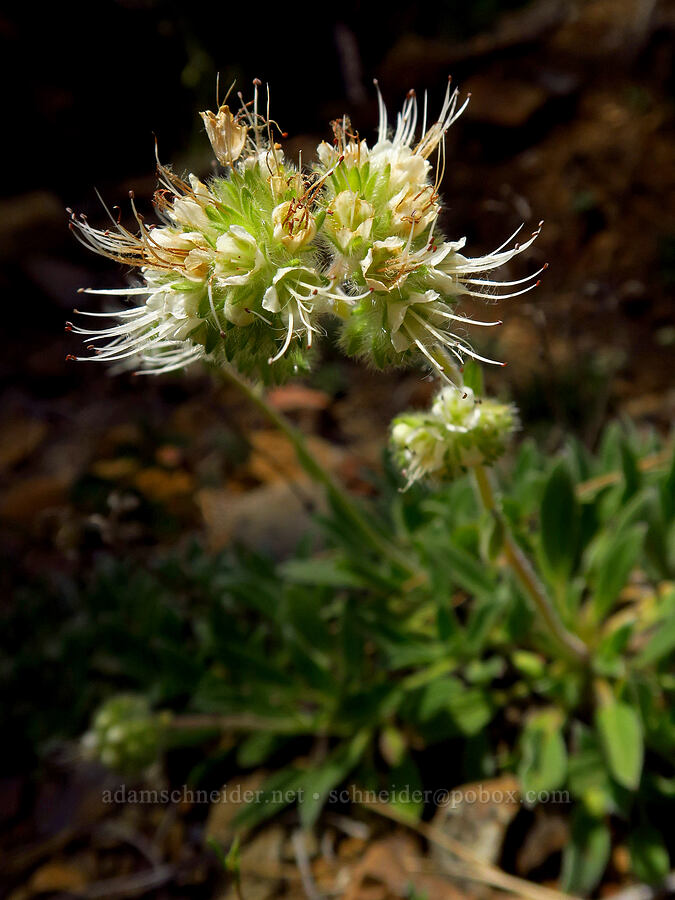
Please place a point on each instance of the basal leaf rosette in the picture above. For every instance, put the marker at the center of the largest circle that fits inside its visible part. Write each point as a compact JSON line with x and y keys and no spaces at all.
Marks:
{"x":456,"y":434}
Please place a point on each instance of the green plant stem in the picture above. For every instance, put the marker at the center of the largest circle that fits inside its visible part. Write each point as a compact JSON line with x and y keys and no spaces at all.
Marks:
{"x":569,"y":644}
{"x":245,"y":722}
{"x":522,"y":568}
{"x":318,"y":473}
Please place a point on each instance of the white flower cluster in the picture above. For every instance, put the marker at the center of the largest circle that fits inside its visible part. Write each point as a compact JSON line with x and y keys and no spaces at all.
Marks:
{"x":242,"y":269}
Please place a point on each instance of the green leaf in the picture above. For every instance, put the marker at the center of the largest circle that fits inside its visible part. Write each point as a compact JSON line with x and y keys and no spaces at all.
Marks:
{"x":233,"y":858}
{"x":668,"y":493}
{"x":609,"y":659}
{"x":254,"y":749}
{"x":276,"y":793}
{"x":610,"y":446}
{"x":543,"y":765}
{"x":586,"y":855}
{"x":560,"y":514}
{"x":492,"y":539}
{"x":620,"y":731}
{"x":319,"y":572}
{"x":631,"y":473}
{"x":483,"y":617}
{"x":317,"y":783}
{"x":588,"y":778}
{"x":533,"y":665}
{"x":405,"y":785}
{"x":223,"y":858}
{"x":468,"y":572}
{"x":618,"y":560}
{"x":661,"y":643}
{"x":469,"y":707}
{"x":648,"y":854}
{"x":393,"y":745}
{"x":446,"y":621}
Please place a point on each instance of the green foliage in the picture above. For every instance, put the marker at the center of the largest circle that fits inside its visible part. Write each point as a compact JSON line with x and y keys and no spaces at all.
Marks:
{"x":340,"y":668}
{"x":560,"y":522}
{"x":649,"y":854}
{"x":586,"y":855}
{"x":543,"y":764}
{"x":620,"y":732}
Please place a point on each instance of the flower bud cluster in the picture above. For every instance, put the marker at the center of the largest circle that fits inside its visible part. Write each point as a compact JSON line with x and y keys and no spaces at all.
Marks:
{"x":125,"y":734}
{"x":456,"y":434}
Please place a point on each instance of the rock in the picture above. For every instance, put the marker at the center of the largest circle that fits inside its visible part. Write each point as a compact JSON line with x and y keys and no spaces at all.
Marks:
{"x":234,"y":799}
{"x":57,"y":876}
{"x":478,"y":816}
{"x":272,"y":518}
{"x":274,"y":459}
{"x":549,"y":834}
{"x":388,"y":869}
{"x":29,"y":497}
{"x":292,"y":397}
{"x":20,"y":437}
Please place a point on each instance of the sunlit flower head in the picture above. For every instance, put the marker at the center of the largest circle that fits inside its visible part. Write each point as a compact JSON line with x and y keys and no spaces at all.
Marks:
{"x":241,"y":269}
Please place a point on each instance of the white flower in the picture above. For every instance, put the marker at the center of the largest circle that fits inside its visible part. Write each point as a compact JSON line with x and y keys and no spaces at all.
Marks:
{"x":294,"y":225}
{"x":350,"y":217}
{"x":270,"y":248}
{"x":382,"y":265}
{"x":293,"y":291}
{"x":237,"y":256}
{"x":420,"y":447}
{"x":454,"y":274}
{"x":413,"y":209}
{"x":402,"y":307}
{"x":152,"y":335}
{"x":456,"y":408}
{"x":353,"y":153}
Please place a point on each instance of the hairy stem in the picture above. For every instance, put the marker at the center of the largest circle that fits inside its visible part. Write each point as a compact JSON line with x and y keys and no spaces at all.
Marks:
{"x":569,"y":644}
{"x":522,"y":568}
{"x":337,"y":493}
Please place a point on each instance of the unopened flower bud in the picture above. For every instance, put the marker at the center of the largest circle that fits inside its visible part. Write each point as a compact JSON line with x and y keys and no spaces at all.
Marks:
{"x":457,"y":434}
{"x":125,"y":734}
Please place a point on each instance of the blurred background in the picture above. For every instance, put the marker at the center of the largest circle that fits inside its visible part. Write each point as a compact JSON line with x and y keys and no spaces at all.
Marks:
{"x":571,"y":120}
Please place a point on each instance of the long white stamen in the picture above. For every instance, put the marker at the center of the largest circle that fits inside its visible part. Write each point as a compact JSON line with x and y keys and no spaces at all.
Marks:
{"x":287,"y":342}
{"x":506,"y":283}
{"x":216,"y":320}
{"x":484,"y":294}
{"x":123,"y":292}
{"x":465,"y":319}
{"x":433,"y":361}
